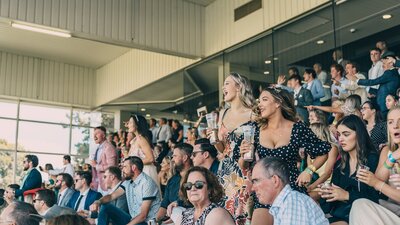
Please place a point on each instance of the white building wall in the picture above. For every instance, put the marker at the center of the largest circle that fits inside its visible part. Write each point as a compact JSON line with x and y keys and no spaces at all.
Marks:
{"x":134,"y":70}
{"x":45,"y":80}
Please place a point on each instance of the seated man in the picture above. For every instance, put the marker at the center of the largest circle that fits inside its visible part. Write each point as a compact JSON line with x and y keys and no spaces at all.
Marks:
{"x":20,"y":213}
{"x":33,"y":178}
{"x":64,"y":185}
{"x":205,"y":154}
{"x":142,"y":194}
{"x":9,"y":194}
{"x":44,"y":203}
{"x":271,"y":183}
{"x":113,"y":179}
{"x":84,"y":197}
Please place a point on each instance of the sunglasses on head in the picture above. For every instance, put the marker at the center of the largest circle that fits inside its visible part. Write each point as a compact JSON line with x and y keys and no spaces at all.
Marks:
{"x":198,"y":185}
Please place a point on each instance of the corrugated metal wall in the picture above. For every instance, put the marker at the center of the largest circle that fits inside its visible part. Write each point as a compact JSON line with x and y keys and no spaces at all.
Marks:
{"x":133,"y":70}
{"x":159,"y":25}
{"x":35,"y":78}
{"x":225,"y":32}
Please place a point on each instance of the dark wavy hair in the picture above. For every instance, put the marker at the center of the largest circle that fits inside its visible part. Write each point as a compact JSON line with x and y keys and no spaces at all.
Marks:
{"x":215,"y":190}
{"x":311,"y":71}
{"x":285,"y":99}
{"x":374,"y":106}
{"x":364,"y":145}
{"x":142,"y":127}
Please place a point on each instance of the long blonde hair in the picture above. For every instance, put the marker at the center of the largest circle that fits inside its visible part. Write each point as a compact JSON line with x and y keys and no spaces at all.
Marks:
{"x":392,"y":146}
{"x":245,"y":91}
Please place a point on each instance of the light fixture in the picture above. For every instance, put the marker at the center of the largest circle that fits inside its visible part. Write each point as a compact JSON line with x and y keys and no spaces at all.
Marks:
{"x":320,"y":42}
{"x":142,"y":109}
{"x":266,"y":72}
{"x":276,"y":58}
{"x":386,"y":16}
{"x":41,"y":29}
{"x":148,"y":115}
{"x":268,"y":62}
{"x":352,"y":30}
{"x":338,"y":2}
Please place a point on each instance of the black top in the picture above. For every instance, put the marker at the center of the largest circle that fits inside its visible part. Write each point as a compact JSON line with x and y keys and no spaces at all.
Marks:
{"x":301,"y":137}
{"x":379,"y":134}
{"x":175,"y":134}
{"x":340,"y":210}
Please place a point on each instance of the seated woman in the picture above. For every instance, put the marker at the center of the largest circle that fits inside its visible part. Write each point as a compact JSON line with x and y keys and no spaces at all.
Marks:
{"x":376,"y":128}
{"x":352,"y":105}
{"x":325,"y":171}
{"x":356,"y":150}
{"x":201,"y":188}
{"x":391,"y":101}
{"x":366,"y":212}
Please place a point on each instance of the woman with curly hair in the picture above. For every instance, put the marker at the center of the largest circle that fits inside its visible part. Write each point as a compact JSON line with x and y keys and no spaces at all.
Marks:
{"x":202,"y":189}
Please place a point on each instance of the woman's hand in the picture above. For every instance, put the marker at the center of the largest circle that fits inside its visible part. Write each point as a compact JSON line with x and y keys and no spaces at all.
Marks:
{"x":334,"y":193}
{"x":367,"y":177}
{"x":171,"y":207}
{"x":245,"y":147}
{"x":303,"y":179}
{"x":395,"y":180}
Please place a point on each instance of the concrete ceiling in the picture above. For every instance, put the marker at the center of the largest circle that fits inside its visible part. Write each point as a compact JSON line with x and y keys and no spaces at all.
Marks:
{"x":68,"y":50}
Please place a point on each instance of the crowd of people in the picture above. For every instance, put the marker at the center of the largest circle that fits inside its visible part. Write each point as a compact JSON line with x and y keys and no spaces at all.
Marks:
{"x":325,"y":151}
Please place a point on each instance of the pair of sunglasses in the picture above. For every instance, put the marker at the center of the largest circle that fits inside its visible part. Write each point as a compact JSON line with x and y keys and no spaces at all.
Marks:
{"x":198,"y":185}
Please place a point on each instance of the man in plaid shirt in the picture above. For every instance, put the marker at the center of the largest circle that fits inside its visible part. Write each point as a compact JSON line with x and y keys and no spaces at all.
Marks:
{"x":289,"y":207}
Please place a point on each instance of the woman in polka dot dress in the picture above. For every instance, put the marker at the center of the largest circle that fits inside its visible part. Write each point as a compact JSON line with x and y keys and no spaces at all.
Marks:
{"x":280,"y":134}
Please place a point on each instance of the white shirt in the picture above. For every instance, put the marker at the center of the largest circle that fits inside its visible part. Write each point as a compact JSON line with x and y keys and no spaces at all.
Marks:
{"x":375,"y":72}
{"x":66,"y":169}
{"x":154,"y":132}
{"x":83,"y":200}
{"x":164,"y":133}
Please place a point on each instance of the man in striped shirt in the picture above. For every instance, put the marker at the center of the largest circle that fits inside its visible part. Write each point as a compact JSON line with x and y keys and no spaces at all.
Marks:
{"x":289,"y":207}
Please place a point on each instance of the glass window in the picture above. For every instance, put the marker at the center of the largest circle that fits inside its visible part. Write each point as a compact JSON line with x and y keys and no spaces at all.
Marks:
{"x":45,"y":113}
{"x":39,"y":137}
{"x":6,"y":168}
{"x":7,"y":133}
{"x":102,"y":119}
{"x":8,"y":109}
{"x":81,"y":117}
{"x":81,"y":137}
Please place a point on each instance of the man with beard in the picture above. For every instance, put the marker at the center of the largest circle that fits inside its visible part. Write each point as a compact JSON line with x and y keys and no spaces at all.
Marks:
{"x":33,"y":178}
{"x":141,"y":192}
{"x":182,"y":161}
{"x":65,"y":191}
{"x":104,"y":157}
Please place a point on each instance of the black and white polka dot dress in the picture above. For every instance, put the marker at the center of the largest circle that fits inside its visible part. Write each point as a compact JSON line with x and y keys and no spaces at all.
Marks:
{"x":301,"y":137}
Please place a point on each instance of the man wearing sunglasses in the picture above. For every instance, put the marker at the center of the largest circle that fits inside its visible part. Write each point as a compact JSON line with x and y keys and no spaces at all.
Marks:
{"x":141,"y":192}
{"x":84,"y":197}
{"x":64,"y":185}
{"x":271,"y":183}
{"x":205,"y":155}
{"x":33,"y":178}
{"x":44,"y":203}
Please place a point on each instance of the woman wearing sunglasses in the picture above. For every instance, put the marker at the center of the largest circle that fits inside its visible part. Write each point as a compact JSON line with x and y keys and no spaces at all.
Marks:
{"x":201,"y":188}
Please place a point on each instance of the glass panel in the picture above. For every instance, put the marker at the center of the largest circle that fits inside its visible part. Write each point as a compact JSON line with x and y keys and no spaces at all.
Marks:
{"x":6,"y":168}
{"x":80,"y":141}
{"x":102,"y":119}
{"x":80,"y":117}
{"x":39,"y":137}
{"x":8,"y":109}
{"x":7,"y":133}
{"x":45,"y":113}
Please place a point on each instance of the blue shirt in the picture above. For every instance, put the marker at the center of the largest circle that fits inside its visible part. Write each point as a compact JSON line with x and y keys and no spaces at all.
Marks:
{"x":171,"y":190}
{"x":294,"y":208}
{"x":141,"y":189}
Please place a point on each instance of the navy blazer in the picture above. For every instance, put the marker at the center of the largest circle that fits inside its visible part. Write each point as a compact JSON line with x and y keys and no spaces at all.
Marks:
{"x":304,"y":99}
{"x":91,"y":197}
{"x":34,"y":180}
{"x":388,"y":84}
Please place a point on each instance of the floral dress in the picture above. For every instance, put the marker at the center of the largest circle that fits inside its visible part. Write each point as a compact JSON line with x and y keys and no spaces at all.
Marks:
{"x":233,"y":179}
{"x":301,"y":137}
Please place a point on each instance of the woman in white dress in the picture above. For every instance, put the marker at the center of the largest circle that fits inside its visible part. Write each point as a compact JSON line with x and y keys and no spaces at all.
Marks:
{"x":141,"y":145}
